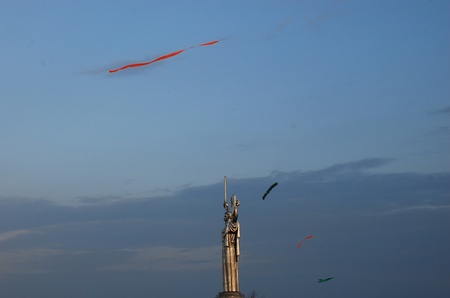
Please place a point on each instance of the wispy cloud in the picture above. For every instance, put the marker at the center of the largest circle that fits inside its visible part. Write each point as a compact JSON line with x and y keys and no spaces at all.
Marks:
{"x":360,"y":165}
{"x":419,"y":208}
{"x":99,"y":200}
{"x":323,"y":17}
{"x":444,"y":110}
{"x":13,"y":234}
{"x":163,"y":258}
{"x":285,"y":23}
{"x":28,"y":260}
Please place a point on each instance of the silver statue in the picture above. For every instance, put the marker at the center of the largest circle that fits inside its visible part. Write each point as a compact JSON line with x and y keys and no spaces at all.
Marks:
{"x":230,"y":245}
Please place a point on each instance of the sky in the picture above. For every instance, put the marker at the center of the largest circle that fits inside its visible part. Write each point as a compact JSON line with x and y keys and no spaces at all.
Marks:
{"x":346,"y":104}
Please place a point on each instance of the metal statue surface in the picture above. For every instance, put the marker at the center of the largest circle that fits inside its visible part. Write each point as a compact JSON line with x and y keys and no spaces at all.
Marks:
{"x":230,"y":244}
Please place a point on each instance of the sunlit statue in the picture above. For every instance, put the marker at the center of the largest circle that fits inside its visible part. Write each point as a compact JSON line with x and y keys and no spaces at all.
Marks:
{"x":230,"y":248}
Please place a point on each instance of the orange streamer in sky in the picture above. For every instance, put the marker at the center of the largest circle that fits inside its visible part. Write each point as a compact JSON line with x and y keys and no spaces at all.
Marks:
{"x":208,"y":43}
{"x":162,"y":57}
{"x":309,"y":237}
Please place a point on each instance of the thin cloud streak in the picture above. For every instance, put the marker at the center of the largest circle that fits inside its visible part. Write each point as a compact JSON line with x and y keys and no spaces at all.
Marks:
{"x":13,"y":234}
{"x":419,"y":208}
{"x":444,"y":110}
{"x":169,"y":259}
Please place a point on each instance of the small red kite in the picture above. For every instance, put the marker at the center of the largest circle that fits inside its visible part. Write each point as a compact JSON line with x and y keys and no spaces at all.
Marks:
{"x":309,"y":237}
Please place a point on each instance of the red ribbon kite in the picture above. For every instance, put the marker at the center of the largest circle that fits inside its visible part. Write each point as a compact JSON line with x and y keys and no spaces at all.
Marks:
{"x":309,"y":237}
{"x":162,"y":57}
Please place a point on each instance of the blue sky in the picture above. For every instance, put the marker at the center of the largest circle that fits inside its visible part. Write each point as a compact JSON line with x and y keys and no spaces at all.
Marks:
{"x":294,"y":90}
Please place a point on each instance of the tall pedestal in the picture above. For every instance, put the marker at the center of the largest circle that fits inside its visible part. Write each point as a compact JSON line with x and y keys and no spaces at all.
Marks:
{"x":231,"y":295}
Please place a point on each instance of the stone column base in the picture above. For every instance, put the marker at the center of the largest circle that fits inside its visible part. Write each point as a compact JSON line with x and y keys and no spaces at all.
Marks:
{"x":231,"y":295}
